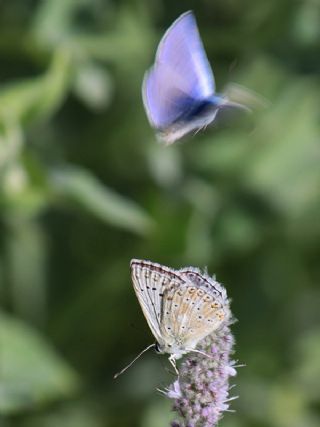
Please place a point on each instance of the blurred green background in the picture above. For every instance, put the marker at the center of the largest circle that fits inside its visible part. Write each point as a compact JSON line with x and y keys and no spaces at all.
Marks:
{"x":84,"y":187}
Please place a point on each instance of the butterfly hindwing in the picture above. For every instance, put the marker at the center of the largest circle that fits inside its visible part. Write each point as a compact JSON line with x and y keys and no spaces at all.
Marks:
{"x":200,"y":279}
{"x":190,"y":313}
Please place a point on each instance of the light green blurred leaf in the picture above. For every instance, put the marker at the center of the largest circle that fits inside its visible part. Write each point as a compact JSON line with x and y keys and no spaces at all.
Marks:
{"x":306,"y":27}
{"x":39,"y":97}
{"x":27,"y":252}
{"x":199,"y":249}
{"x":131,"y":38}
{"x":82,"y":187}
{"x":23,"y":195}
{"x":307,"y":361}
{"x":165,"y":165}
{"x":225,"y":155}
{"x":288,"y":406}
{"x":70,"y":414}
{"x":93,"y":85}
{"x":286,"y":167}
{"x":54,"y":20}
{"x":31,"y":373}
{"x":11,"y":140}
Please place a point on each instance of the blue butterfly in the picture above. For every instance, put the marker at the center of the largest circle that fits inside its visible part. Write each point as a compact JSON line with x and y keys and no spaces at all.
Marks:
{"x":179,"y":90}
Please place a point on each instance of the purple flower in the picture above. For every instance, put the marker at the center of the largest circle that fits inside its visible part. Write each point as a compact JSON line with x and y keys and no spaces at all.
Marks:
{"x":201,"y":393}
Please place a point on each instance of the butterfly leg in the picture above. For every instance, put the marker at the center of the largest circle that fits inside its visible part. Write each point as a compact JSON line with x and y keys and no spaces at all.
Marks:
{"x":172,"y":360}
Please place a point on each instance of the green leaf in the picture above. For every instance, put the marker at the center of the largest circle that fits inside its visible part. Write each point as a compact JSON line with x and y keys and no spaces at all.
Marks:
{"x":80,"y":186}
{"x":79,"y":413}
{"x":93,"y":85}
{"x":31,"y":373}
{"x":39,"y":97}
{"x":53,"y":20}
{"x":307,"y":371}
{"x":286,"y":167}
{"x":26,"y":257}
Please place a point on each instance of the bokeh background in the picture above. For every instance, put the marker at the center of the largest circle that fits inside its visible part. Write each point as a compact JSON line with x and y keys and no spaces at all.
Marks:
{"x":84,"y":187}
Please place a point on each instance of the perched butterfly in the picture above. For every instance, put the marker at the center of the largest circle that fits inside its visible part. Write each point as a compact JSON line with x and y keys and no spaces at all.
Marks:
{"x":179,"y":90}
{"x":181,"y":306}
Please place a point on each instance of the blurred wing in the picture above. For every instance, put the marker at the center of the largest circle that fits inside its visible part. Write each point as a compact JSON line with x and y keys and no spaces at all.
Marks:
{"x":247,"y":98}
{"x":150,"y":282}
{"x":182,"y":49}
{"x":191,"y":314}
{"x":164,"y":96}
{"x":181,"y":75}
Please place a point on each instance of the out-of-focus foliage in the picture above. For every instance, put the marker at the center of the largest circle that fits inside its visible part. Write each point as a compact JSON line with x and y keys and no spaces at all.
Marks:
{"x":84,"y":187}
{"x":31,"y":372}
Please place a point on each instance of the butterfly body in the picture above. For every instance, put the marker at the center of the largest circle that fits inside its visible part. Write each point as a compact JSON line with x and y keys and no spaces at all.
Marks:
{"x":179,"y":89}
{"x":181,"y":306}
{"x":197,"y":115}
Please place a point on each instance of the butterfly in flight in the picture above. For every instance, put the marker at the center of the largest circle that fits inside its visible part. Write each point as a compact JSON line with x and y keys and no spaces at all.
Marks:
{"x":179,"y":90}
{"x":181,"y":307}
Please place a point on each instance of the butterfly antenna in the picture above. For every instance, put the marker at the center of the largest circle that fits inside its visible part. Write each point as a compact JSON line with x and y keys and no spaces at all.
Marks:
{"x":132,"y":362}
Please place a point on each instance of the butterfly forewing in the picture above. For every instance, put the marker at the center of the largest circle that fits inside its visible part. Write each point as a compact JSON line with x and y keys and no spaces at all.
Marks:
{"x":182,"y":49}
{"x":181,"y":75}
{"x":150,"y":281}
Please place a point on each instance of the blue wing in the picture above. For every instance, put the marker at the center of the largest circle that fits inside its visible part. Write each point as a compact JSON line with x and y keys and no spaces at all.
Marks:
{"x":181,"y":75}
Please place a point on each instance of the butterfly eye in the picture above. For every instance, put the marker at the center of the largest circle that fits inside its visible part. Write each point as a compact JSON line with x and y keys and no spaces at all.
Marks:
{"x":157,"y":348}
